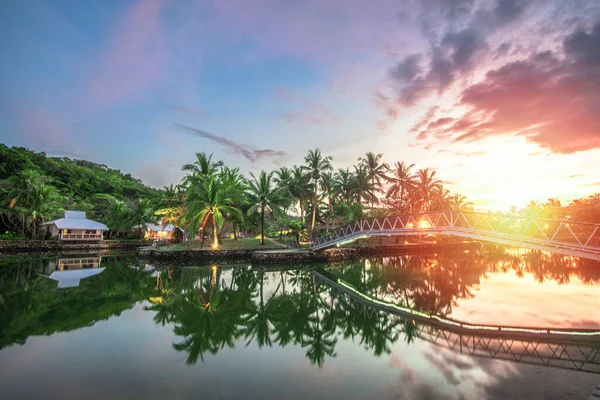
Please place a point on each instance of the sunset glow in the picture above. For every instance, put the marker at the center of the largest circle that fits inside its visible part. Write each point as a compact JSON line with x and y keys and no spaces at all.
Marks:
{"x":499,"y":97}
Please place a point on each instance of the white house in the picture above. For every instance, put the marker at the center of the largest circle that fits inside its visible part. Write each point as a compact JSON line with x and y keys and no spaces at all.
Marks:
{"x":75,"y":226}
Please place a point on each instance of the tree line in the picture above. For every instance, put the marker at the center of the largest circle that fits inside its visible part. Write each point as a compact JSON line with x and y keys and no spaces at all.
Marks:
{"x":301,"y":200}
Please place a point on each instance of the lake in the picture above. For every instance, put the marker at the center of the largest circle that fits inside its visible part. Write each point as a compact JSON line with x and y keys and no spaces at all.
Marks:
{"x":115,"y":327}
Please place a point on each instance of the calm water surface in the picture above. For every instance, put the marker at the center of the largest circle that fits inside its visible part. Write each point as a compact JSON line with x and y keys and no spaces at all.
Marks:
{"x":117,"y":328}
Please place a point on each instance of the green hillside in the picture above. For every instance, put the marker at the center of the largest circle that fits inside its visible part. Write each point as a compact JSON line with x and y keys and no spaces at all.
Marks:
{"x":74,"y":184}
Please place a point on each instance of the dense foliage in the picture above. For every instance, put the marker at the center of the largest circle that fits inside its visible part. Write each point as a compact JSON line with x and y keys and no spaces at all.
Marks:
{"x":213,"y":200}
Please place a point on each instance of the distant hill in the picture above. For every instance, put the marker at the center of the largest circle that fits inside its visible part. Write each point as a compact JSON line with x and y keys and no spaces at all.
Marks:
{"x":77,"y":180}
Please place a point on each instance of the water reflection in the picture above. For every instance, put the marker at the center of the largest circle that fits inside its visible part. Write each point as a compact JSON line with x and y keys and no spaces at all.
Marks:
{"x":69,"y":272}
{"x":210,"y":309}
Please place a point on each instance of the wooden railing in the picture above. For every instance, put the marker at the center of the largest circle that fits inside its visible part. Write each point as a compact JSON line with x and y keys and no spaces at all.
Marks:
{"x":81,"y":236}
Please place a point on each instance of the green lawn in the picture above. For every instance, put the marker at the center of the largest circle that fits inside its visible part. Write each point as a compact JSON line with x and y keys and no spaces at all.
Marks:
{"x":228,"y":244}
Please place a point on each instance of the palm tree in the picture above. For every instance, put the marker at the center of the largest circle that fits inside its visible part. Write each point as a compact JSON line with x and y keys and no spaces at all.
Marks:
{"x":316,"y":166}
{"x":44,"y":203}
{"x":402,"y":181}
{"x":343,"y":184}
{"x":376,"y":171}
{"x":361,"y":188}
{"x":266,"y":197}
{"x":32,"y":200}
{"x":206,"y":203}
{"x":203,"y":168}
{"x":299,"y":188}
{"x":458,"y":202}
{"x":20,"y":189}
{"x":441,"y":199}
{"x":329,"y":188}
{"x":425,"y":187}
{"x":236,"y":186}
{"x":142,"y":213}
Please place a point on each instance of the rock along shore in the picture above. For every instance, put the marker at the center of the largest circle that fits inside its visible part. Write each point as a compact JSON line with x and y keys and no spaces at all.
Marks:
{"x":299,"y":256}
{"x":43,"y":247}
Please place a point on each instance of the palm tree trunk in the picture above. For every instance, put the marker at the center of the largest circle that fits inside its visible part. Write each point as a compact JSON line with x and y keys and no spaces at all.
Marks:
{"x":301,"y":211}
{"x":372,"y":192}
{"x":314,"y":213}
{"x":262,"y":225}
{"x":215,"y":236}
{"x":234,"y":230}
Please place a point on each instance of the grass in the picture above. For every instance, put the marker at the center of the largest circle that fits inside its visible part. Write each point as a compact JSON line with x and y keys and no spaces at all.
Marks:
{"x":227,"y":244}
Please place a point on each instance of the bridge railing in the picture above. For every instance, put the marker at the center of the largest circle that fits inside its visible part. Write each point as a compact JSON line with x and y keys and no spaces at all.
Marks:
{"x":574,"y":234}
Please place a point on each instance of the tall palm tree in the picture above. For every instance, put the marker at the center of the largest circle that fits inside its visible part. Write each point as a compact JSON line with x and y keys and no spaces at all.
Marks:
{"x":236,"y":185}
{"x":21,"y":190}
{"x":316,"y":166}
{"x":265,"y":196}
{"x":343,"y":184}
{"x":425,"y":186}
{"x":458,"y":202}
{"x":441,"y":199}
{"x":402,"y":180}
{"x":299,"y":188}
{"x":142,"y":213}
{"x":206,"y":203}
{"x":376,"y":171}
{"x":203,"y":168}
{"x":329,"y":182}
{"x":361,"y":188}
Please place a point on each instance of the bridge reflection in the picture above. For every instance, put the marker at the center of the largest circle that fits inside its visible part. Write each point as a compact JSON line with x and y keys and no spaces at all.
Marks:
{"x":577,"y":349}
{"x":565,"y":237}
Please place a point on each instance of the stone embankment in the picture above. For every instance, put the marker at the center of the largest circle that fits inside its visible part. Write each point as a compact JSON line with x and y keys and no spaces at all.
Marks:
{"x":40,"y":247}
{"x":299,"y":256}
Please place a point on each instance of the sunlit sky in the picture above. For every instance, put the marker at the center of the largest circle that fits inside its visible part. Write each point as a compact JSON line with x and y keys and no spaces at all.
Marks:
{"x":501,"y":97}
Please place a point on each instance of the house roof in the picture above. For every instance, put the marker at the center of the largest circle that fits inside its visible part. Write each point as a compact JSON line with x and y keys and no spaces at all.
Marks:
{"x":68,"y":278}
{"x":77,"y":220}
{"x":158,"y":228}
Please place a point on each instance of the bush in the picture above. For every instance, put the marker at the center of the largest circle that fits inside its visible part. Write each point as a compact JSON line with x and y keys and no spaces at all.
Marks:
{"x":11,"y":236}
{"x":131,"y":236}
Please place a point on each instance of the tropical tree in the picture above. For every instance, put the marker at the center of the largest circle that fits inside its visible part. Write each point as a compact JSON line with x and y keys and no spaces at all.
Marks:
{"x":206,"y":203}
{"x":116,"y":213}
{"x":403,"y":181}
{"x":425,"y":186}
{"x":142,"y":213}
{"x":299,"y":188}
{"x":316,"y":166}
{"x":265,"y":196}
{"x":458,"y":202}
{"x":203,"y":168}
{"x":31,"y":200}
{"x":361,"y":187}
{"x":236,"y":185}
{"x":343,"y":185}
{"x":376,"y":171}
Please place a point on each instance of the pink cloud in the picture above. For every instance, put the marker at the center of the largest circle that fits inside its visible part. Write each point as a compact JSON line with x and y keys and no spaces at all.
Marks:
{"x":134,"y":60}
{"x":312,"y":114}
{"x":313,"y":28}
{"x":39,"y":127}
{"x":285,"y":94}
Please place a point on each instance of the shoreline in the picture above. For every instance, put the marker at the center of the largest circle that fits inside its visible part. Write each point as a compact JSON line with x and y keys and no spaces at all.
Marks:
{"x":260,"y":256}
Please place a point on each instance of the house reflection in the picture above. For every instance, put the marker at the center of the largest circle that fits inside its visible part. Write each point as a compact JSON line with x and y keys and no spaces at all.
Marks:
{"x":68,"y":272}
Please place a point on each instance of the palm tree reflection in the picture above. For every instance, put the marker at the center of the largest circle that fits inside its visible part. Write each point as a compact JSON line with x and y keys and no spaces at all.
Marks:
{"x":216,"y":307}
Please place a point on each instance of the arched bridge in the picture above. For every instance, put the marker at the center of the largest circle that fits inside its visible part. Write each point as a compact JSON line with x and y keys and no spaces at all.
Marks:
{"x":565,"y":237}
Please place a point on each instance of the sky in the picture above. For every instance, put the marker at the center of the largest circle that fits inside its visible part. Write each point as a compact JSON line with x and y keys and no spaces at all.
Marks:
{"x":500,"y":97}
